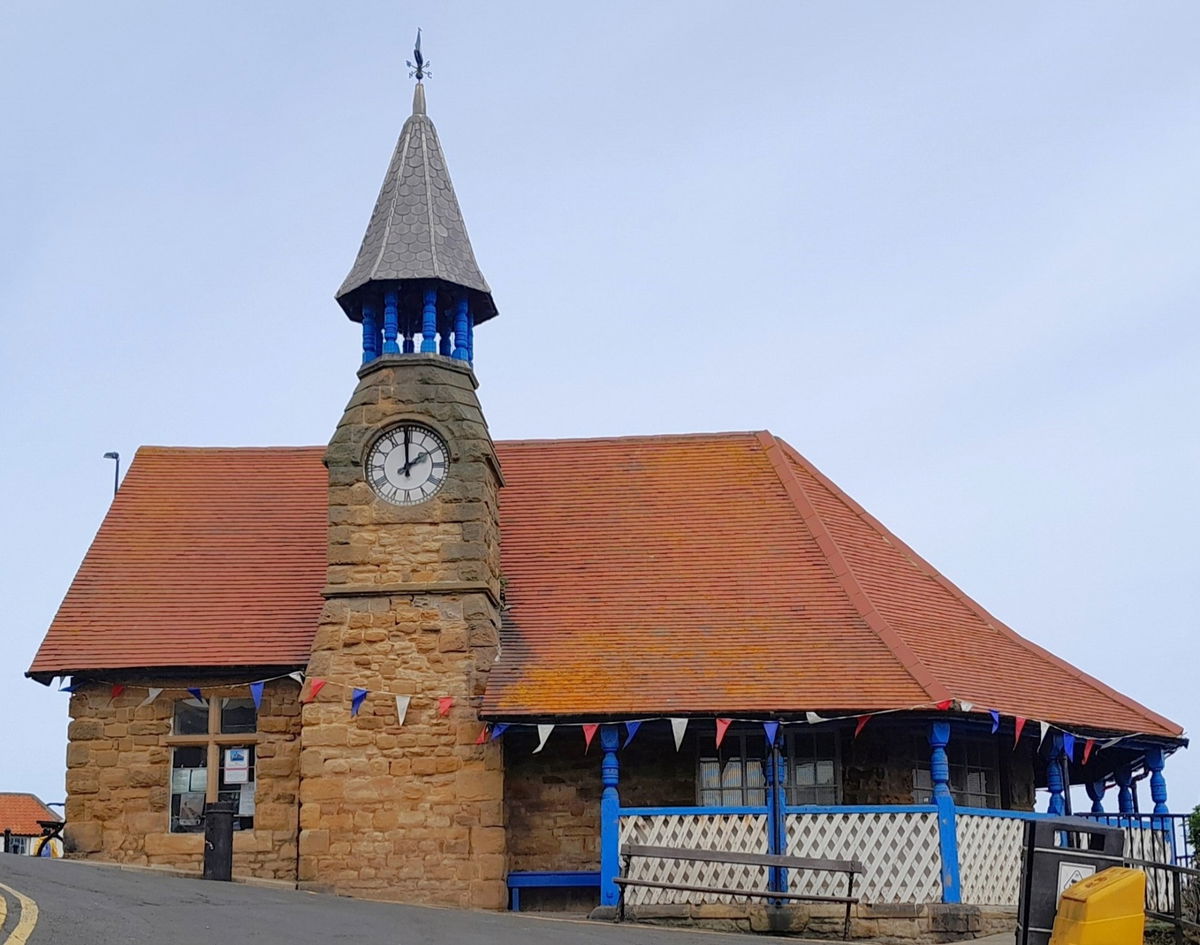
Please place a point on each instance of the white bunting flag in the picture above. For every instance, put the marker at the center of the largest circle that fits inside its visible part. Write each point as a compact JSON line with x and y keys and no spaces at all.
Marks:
{"x":1045,"y":730}
{"x":812,"y":718}
{"x":154,"y":694}
{"x":402,"y":708}
{"x":678,"y":727}
{"x":543,"y":733}
{"x":1112,"y":741}
{"x":298,"y":676}
{"x":965,"y":706}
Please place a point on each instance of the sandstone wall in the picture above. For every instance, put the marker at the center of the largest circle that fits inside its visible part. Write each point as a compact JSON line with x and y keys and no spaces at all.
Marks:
{"x":119,"y":777}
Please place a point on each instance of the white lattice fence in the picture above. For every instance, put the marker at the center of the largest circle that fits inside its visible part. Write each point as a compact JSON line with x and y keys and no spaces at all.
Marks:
{"x":989,"y":859}
{"x":740,"y":833}
{"x":898,"y":849}
{"x":1145,"y":843}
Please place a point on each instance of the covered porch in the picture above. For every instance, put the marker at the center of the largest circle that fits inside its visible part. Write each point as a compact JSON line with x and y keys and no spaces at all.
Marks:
{"x":932,"y":803}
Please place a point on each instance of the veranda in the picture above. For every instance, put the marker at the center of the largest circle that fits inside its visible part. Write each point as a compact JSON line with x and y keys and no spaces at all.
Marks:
{"x":932,"y":805}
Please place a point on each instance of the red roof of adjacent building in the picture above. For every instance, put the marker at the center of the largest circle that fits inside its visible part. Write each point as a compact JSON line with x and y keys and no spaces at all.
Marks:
{"x":703,"y":574}
{"x":20,"y":813}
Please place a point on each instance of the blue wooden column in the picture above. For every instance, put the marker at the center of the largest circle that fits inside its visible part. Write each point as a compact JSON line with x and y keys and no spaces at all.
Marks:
{"x":429,"y":323}
{"x":939,"y":771}
{"x":610,"y":819}
{"x":370,"y":328}
{"x":445,"y":344}
{"x":1054,"y":776}
{"x":1124,"y":778}
{"x":470,"y":336}
{"x":1095,"y":791}
{"x":460,"y":330}
{"x":391,"y":322}
{"x":1155,"y":760}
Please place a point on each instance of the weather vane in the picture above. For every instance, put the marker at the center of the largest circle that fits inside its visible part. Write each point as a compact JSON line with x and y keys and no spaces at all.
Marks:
{"x":417,"y":66}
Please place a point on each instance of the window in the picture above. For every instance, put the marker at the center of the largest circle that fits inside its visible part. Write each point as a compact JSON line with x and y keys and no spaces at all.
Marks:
{"x":736,"y":775}
{"x":812,"y":768}
{"x":218,"y":736}
{"x":974,"y":773}
{"x":733,"y":775}
{"x":19,"y":845}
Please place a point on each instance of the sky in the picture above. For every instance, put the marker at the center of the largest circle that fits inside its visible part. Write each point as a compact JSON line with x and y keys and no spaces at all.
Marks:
{"x":947,"y":250}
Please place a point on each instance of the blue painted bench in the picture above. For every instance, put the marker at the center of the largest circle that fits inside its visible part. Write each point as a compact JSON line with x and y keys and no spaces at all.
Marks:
{"x":546,"y":879}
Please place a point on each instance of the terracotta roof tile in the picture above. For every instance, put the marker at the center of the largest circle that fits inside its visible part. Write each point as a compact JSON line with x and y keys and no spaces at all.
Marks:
{"x":20,"y":813}
{"x":645,"y":575}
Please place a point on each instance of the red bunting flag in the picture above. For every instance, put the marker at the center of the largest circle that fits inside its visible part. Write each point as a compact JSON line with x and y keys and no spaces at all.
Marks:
{"x":1020,"y":724}
{"x":117,"y":689}
{"x":444,"y":704}
{"x":589,"y":732}
{"x":722,"y":726}
{"x":483,"y":734}
{"x":862,"y":722}
{"x":945,"y":704}
{"x":1087,"y":749}
{"x":315,"y":686}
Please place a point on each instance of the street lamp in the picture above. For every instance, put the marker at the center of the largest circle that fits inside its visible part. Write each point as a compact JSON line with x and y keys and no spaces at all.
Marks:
{"x":116,"y":458}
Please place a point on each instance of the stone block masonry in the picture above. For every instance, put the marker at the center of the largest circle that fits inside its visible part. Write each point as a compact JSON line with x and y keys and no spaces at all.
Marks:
{"x":119,"y":778}
{"x":411,"y":812}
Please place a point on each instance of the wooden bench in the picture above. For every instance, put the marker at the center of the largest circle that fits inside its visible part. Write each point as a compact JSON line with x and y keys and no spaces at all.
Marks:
{"x":546,"y":879}
{"x":851,"y":868}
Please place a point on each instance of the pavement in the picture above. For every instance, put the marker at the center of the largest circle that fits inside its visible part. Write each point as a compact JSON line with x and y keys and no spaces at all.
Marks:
{"x":60,"y":902}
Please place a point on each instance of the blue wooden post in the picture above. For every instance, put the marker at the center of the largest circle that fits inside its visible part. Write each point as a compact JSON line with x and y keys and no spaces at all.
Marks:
{"x":777,"y":813}
{"x":391,"y":322}
{"x":470,"y":336}
{"x":429,"y":323}
{"x":1124,"y":778}
{"x":370,"y":328}
{"x":1054,"y":776}
{"x":610,"y":815}
{"x":1158,"y":784}
{"x":445,"y":345}
{"x":460,"y":330}
{"x":939,"y":771}
{"x":1095,"y":791}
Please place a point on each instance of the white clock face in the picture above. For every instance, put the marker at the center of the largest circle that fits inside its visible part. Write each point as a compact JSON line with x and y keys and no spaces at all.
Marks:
{"x":407,"y":464}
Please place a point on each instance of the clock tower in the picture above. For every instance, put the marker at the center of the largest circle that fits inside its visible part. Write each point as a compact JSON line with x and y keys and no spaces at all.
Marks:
{"x":397,"y":799}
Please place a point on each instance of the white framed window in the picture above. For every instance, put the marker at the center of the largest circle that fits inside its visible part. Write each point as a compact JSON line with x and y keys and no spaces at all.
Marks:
{"x":814,"y":766}
{"x":735,"y":776}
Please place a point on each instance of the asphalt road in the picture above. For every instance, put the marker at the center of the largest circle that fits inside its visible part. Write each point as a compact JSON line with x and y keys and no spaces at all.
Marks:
{"x":85,"y":904}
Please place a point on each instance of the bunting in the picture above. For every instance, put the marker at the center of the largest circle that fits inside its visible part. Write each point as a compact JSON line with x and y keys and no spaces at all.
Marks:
{"x":543,"y":732}
{"x":772,"y":730}
{"x":256,"y":691}
{"x":150,"y":697}
{"x":678,"y":727}
{"x":297,"y":675}
{"x":589,"y":732}
{"x":402,"y":708}
{"x":499,"y":729}
{"x":862,"y":723}
{"x":1019,"y":724}
{"x":315,"y":685}
{"x":484,"y":734}
{"x":197,"y":694}
{"x":631,"y":730}
{"x":356,"y":700}
{"x":722,"y":728}
{"x":945,"y":705}
{"x":1087,"y":749}
{"x":1069,"y":746}
{"x":445,"y":704}
{"x":995,"y":720}
{"x":117,"y":689}
{"x":812,"y":718}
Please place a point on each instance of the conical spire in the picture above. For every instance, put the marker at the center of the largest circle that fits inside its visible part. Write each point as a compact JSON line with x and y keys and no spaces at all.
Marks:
{"x":416,"y":230}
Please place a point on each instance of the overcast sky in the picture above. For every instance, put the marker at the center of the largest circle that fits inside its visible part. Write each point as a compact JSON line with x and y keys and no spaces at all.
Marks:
{"x":950,"y":251}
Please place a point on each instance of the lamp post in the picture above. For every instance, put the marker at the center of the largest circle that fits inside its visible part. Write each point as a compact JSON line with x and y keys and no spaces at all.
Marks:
{"x":116,"y":458}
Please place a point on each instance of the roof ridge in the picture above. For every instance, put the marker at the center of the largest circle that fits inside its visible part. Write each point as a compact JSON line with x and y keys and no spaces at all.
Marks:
{"x":844,"y":574}
{"x":970,"y":603}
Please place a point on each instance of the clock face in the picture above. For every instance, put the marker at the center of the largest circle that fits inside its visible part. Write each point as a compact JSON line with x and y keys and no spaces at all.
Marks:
{"x":407,"y":464}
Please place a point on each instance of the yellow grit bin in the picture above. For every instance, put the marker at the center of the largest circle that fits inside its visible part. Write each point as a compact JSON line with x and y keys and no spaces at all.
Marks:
{"x":1105,"y":909}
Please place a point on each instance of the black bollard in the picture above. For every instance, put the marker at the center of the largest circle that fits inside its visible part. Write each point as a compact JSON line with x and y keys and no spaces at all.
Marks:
{"x":7,"y":839}
{"x":218,"y":840}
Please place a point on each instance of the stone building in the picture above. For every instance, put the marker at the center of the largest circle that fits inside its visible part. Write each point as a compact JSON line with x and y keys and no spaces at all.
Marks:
{"x":419,"y":661}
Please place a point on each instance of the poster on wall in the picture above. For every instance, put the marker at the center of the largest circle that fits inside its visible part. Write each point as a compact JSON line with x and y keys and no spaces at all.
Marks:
{"x":246,"y":800}
{"x":237,"y":765}
{"x":191,"y":808}
{"x":199,"y":779}
{"x":181,"y":780}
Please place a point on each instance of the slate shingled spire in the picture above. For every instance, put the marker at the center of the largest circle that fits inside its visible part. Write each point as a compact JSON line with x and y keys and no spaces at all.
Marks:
{"x":416,"y":244}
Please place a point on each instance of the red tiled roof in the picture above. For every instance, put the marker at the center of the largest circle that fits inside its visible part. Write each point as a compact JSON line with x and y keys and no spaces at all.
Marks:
{"x":20,"y":813}
{"x":645,"y":575}
{"x":207,"y":557}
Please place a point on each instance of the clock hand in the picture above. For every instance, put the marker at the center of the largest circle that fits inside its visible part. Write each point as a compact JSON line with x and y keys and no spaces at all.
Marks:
{"x":407,"y":461}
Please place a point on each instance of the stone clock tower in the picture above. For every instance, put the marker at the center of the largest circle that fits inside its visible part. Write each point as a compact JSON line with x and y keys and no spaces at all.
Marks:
{"x":397,"y":801}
